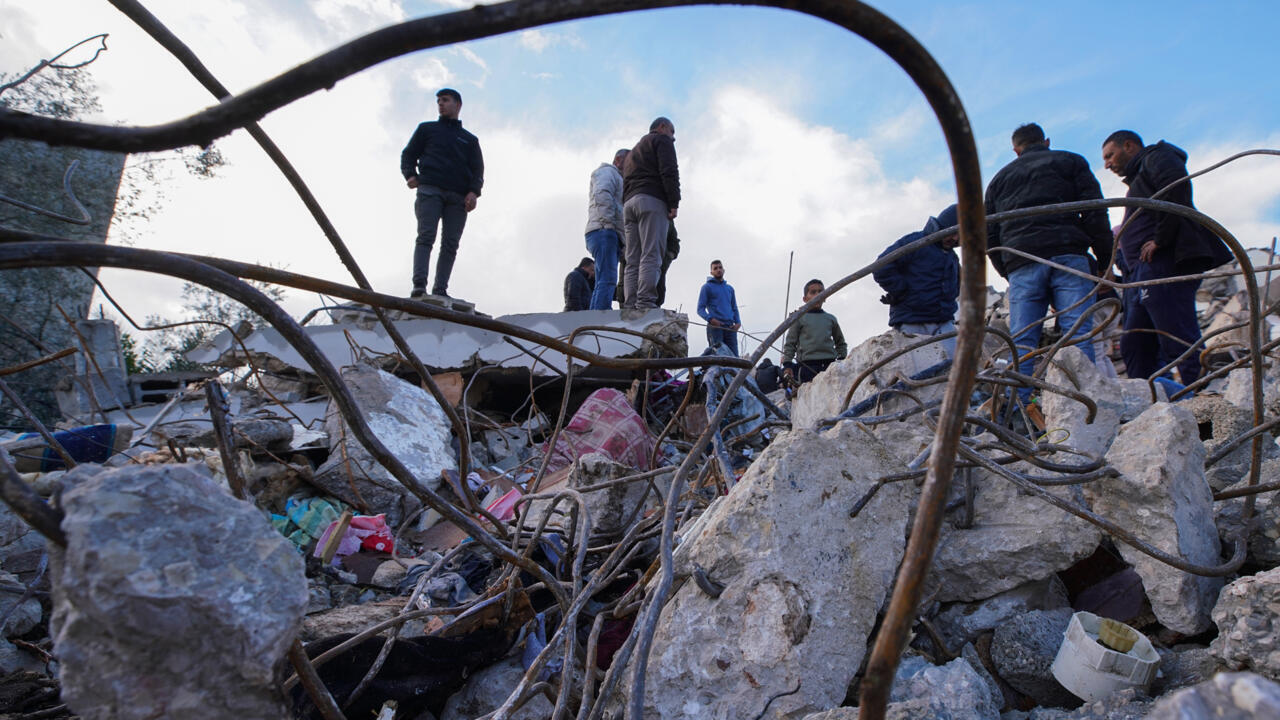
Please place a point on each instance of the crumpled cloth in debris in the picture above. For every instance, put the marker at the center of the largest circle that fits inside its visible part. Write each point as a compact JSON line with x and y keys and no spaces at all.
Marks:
{"x":605,"y":424}
{"x":88,"y":444}
{"x":365,"y":531}
{"x":449,"y":590}
{"x":533,"y":645}
{"x":306,"y":518}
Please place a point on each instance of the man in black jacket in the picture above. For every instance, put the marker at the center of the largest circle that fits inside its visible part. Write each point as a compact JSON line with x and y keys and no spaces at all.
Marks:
{"x":1040,"y":176}
{"x":443,"y":162}
{"x":1159,"y":245}
{"x":579,"y":284}
{"x":650,"y":197}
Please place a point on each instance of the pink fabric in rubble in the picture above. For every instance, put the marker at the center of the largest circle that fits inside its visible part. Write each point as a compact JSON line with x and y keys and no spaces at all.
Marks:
{"x":604,"y":424}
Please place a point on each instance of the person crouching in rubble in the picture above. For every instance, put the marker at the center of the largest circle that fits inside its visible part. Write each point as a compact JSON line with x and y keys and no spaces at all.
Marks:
{"x":814,"y":341}
{"x":921,"y":287}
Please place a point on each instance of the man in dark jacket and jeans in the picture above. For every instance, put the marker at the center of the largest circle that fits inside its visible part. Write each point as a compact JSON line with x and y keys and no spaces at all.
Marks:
{"x":650,"y":196}
{"x":1040,"y":176}
{"x":1159,"y":245}
{"x":921,"y":287}
{"x":443,"y":162}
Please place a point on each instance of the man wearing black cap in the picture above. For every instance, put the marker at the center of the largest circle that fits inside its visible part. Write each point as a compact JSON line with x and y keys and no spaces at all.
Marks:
{"x":443,"y":162}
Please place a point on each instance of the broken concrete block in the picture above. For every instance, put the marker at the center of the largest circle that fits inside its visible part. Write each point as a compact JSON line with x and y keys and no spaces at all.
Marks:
{"x":959,"y":623}
{"x":1248,"y":628}
{"x":20,"y":547}
{"x":800,"y":593}
{"x":1015,"y":539}
{"x":15,"y":659}
{"x":486,"y":690}
{"x":1023,"y":650}
{"x":22,"y":616}
{"x":1239,"y":390}
{"x":247,"y":432}
{"x":345,"y":619}
{"x":1219,"y":422}
{"x":1124,"y":704}
{"x":1228,"y":696}
{"x":172,"y":599}
{"x":823,"y":396}
{"x":1264,"y":533}
{"x":409,"y":423}
{"x":955,"y":691}
{"x":1162,"y":497}
{"x":1183,"y":666}
{"x":1065,"y":416}
{"x":610,"y":508}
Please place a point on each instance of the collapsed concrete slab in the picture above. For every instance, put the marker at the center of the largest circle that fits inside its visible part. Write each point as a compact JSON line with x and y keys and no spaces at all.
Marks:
{"x":172,"y":599}
{"x":1228,"y":696}
{"x":802,"y":583}
{"x":1248,"y":627}
{"x":412,"y":426}
{"x":824,"y":396}
{"x":445,"y":346}
{"x":1163,"y":498}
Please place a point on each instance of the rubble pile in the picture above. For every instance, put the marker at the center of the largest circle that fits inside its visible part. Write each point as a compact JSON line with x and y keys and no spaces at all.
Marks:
{"x":272,"y":567}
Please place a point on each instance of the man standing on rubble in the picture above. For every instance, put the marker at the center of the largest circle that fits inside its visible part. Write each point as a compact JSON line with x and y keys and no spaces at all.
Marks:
{"x":578,"y":286}
{"x":650,"y":196}
{"x":1040,"y":176}
{"x":1159,"y":245}
{"x":718,"y":305}
{"x":443,"y":162}
{"x":921,"y":287}
{"x":604,"y":228}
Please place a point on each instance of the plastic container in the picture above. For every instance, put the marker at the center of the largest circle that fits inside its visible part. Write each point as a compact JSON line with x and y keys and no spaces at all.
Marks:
{"x":1091,"y":670}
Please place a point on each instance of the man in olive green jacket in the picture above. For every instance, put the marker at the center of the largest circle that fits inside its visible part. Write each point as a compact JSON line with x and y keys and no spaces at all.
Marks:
{"x":814,"y":342}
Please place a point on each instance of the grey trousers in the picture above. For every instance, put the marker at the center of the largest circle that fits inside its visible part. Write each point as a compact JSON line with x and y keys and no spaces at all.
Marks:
{"x":645,"y":221}
{"x":431,"y":207}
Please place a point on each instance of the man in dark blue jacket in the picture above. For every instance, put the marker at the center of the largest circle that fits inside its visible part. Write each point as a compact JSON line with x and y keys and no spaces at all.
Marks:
{"x":579,"y":285}
{"x":921,"y":287}
{"x":1040,"y":176}
{"x":443,"y":162}
{"x":718,"y":305}
{"x":1159,"y":245}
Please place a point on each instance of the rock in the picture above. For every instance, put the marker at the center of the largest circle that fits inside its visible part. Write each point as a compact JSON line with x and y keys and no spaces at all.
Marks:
{"x":14,"y":659}
{"x":24,"y":615}
{"x":1117,"y":402}
{"x":954,"y":691}
{"x":610,"y":508}
{"x":412,"y":426}
{"x":824,"y":395}
{"x":20,"y":547}
{"x":799,"y":595}
{"x":488,"y":689}
{"x":1126,"y":704}
{"x":971,"y":656}
{"x":959,"y":623}
{"x":1264,"y":535}
{"x":1239,"y":390}
{"x":1228,"y":696}
{"x":1162,"y":497}
{"x":1248,"y":631}
{"x":1023,"y":649}
{"x":172,"y":599}
{"x":1219,"y":422}
{"x":246,"y":432}
{"x":1015,"y":539}
{"x":1183,"y":666}
{"x":352,"y":619}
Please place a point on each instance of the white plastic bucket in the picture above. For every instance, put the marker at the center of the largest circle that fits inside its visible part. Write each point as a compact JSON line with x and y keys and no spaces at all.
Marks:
{"x":1092,"y":671}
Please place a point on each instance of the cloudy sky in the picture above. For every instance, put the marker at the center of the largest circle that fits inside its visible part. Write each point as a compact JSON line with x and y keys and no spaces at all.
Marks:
{"x":793,"y":135}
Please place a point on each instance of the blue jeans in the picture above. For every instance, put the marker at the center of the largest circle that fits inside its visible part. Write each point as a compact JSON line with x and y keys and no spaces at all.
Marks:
{"x":723,"y":336}
{"x":431,"y":207}
{"x":603,"y":246}
{"x":1031,"y":288}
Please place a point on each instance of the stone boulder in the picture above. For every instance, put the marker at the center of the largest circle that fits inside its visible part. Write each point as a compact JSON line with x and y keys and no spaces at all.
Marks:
{"x":1248,"y":630}
{"x":1015,"y":539}
{"x":172,"y":598}
{"x":955,"y":691}
{"x":612,"y":507}
{"x":1220,"y":422}
{"x":1264,"y":533}
{"x":486,"y":690}
{"x":21,"y":616}
{"x":802,"y":583}
{"x":1162,"y":497}
{"x":1118,"y":401}
{"x":412,"y":426}
{"x":1239,"y":390}
{"x":823,"y":396}
{"x":1228,"y":696}
{"x":20,"y":546}
{"x":1023,"y":649}
{"x":963,"y":622}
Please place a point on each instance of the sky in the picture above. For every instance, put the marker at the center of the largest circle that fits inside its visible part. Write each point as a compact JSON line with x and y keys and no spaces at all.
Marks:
{"x":794,"y":136}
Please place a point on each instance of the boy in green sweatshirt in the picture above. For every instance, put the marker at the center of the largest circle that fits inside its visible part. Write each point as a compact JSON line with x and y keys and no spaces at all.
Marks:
{"x":814,"y":342}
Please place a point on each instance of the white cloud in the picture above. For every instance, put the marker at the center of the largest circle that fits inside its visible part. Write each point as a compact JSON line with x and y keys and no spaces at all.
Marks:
{"x":432,"y":74}
{"x":538,"y":40}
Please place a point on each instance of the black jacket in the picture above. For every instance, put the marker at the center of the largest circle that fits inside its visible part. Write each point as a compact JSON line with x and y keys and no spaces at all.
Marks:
{"x":651,"y":169}
{"x":1041,"y":176}
{"x":577,"y":290}
{"x":1194,"y":248}
{"x":444,"y":155}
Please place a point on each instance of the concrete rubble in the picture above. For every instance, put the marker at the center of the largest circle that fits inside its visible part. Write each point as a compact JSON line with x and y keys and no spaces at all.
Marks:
{"x":1248,"y":629}
{"x":1226,"y":696}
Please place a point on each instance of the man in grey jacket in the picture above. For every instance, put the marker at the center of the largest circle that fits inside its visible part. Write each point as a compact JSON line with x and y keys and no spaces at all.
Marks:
{"x":650,"y":197}
{"x":604,"y":228}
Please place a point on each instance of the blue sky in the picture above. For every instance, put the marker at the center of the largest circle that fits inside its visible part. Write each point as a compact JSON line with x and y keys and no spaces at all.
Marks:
{"x":793,"y":134}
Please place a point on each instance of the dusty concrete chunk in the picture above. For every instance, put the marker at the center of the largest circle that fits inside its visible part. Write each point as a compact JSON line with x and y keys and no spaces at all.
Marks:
{"x":1162,"y":497}
{"x":959,"y":623}
{"x":955,"y":691}
{"x":1015,"y":539}
{"x":1248,"y":631}
{"x":1228,"y":696}
{"x":1264,"y":528}
{"x":1116,"y":401}
{"x":412,"y":426}
{"x":802,"y":583}
{"x":20,"y":547}
{"x":248,"y":432}
{"x":823,"y":396}
{"x":1220,"y":422}
{"x":609,"y":508}
{"x":1023,"y":649}
{"x":172,"y":599}
{"x":488,"y":689}
{"x":22,"y":616}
